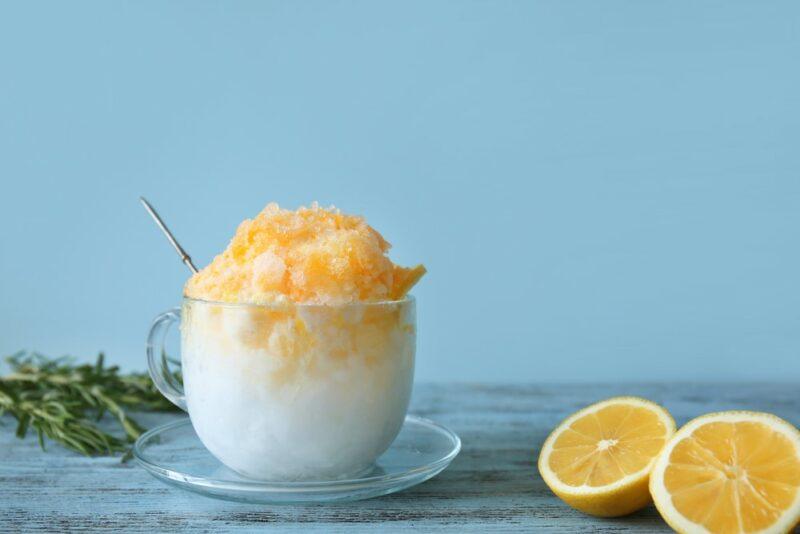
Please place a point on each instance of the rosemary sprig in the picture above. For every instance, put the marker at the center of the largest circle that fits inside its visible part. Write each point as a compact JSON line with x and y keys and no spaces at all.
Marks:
{"x":65,"y":401}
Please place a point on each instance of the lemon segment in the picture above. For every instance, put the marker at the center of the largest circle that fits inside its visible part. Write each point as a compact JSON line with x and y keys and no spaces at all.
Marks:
{"x":598,"y":460}
{"x":730,"y":472}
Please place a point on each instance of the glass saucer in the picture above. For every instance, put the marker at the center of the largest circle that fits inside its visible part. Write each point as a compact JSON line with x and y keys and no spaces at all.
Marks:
{"x":173,"y":453}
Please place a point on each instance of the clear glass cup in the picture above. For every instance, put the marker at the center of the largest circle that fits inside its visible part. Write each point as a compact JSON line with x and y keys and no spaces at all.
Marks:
{"x":291,"y":391}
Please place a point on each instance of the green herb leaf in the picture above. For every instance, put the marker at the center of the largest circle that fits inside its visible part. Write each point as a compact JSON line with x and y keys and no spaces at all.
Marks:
{"x":65,"y":401}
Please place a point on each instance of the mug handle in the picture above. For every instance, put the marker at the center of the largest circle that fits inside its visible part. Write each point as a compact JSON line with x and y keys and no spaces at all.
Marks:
{"x":158,"y":365}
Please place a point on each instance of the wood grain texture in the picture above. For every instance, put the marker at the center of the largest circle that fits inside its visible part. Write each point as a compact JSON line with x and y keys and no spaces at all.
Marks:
{"x":492,"y":486}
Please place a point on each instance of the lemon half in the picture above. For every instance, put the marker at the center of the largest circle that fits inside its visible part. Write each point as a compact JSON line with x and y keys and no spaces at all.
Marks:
{"x":730,"y":472}
{"x":598,"y":460}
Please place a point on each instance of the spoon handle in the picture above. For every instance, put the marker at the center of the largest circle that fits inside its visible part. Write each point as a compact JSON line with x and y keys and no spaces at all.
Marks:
{"x":185,"y":258}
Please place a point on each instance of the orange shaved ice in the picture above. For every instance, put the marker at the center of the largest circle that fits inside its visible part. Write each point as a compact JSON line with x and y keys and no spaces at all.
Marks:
{"x":312,"y":255}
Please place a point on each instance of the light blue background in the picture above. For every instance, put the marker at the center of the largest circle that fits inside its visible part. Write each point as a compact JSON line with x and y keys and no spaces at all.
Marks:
{"x":601,"y":190}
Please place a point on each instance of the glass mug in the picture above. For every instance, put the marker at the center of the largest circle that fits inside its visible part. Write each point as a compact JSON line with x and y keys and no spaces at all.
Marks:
{"x":291,"y":391}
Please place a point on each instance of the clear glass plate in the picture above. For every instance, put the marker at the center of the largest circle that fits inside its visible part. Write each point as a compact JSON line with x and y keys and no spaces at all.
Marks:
{"x":173,"y":453}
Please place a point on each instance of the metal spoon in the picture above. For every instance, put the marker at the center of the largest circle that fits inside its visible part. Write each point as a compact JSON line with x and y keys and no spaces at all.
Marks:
{"x":174,"y":242}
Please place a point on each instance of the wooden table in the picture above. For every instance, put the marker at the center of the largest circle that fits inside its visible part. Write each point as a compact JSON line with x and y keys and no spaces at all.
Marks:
{"x":492,"y":486}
